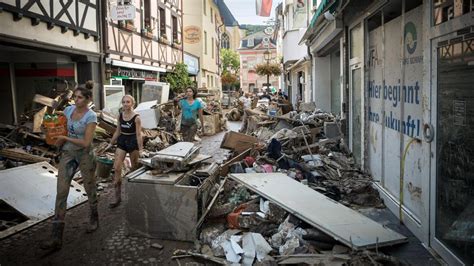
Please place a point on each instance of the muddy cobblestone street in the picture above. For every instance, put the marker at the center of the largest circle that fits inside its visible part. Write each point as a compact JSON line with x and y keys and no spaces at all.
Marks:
{"x":110,"y":244}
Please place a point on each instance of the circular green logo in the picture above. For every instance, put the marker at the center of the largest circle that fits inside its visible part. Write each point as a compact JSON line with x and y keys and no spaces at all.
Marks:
{"x":410,"y":37}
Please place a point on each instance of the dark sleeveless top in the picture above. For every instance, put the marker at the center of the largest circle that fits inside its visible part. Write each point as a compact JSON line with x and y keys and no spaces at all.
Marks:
{"x":128,"y":127}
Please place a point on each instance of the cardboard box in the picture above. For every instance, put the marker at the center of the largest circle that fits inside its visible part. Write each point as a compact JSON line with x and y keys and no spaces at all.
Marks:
{"x":237,"y":141}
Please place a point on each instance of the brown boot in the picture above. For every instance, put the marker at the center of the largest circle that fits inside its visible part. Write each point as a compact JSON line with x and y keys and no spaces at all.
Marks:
{"x":118,"y":196}
{"x":56,"y":241}
{"x":94,"y":220}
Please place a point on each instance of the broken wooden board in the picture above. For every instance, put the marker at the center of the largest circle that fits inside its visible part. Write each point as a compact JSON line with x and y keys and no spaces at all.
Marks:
{"x":22,"y":156}
{"x":45,"y":101}
{"x":224,"y":169}
{"x":237,"y":141}
{"x":38,"y":120}
{"x":31,"y":190}
{"x":342,"y":223}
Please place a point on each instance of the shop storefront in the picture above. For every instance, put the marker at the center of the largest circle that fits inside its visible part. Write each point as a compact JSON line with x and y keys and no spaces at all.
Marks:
{"x":410,"y":70}
{"x":130,"y":78}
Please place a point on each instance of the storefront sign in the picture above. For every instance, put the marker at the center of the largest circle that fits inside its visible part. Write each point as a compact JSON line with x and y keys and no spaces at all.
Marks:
{"x":126,"y":73}
{"x":192,"y":34}
{"x":192,"y":63}
{"x":122,"y":12}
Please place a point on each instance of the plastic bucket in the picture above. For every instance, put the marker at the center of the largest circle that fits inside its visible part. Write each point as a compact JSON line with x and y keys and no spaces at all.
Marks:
{"x":104,"y":167}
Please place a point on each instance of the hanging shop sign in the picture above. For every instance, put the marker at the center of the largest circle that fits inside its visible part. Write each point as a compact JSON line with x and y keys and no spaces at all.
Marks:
{"x":192,"y":34}
{"x":126,"y":73}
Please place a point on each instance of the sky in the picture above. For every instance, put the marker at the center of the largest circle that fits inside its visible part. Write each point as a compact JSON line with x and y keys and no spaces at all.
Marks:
{"x":244,"y":11}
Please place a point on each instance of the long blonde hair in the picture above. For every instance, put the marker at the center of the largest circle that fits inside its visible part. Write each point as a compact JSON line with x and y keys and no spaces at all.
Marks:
{"x":131,"y":98}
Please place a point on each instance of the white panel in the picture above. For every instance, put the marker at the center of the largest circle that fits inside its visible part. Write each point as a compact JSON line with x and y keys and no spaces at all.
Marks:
{"x":35,"y":9}
{"x":90,"y":22}
{"x":375,"y":108}
{"x":386,"y":94}
{"x":31,"y":189}
{"x":10,"y":2}
{"x":344,"y":224}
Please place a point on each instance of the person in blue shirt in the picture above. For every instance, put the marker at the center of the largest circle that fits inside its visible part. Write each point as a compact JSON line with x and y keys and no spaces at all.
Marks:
{"x":77,"y":153}
{"x":191,"y":109}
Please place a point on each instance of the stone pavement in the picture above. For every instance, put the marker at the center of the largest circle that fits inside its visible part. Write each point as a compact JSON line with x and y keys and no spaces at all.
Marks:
{"x":110,"y":244}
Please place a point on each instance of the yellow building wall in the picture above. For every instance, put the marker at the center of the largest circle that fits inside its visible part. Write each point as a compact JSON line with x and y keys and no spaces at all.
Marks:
{"x":196,"y":15}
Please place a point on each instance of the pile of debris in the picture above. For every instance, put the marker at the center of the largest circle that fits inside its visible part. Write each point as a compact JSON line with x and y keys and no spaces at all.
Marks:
{"x":288,"y":197}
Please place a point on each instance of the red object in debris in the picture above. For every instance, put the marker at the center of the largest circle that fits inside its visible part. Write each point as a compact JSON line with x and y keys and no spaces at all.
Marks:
{"x":233,"y":217}
{"x":249,"y":160}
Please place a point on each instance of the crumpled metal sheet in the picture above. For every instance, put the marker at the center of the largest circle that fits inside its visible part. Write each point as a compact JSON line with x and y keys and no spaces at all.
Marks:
{"x":31,"y":190}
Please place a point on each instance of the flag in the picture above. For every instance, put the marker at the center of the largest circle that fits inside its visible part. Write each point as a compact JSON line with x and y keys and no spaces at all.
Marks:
{"x":263,"y":7}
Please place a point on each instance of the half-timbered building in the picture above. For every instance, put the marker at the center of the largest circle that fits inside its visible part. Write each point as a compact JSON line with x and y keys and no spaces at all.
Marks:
{"x":144,"y":47}
{"x":45,"y":47}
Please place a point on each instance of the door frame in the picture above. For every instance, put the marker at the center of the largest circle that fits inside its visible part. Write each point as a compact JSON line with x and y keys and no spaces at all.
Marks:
{"x":356,"y":63}
{"x":435,"y":243}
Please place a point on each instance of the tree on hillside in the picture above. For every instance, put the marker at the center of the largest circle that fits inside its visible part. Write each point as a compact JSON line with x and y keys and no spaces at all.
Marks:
{"x":179,"y":79}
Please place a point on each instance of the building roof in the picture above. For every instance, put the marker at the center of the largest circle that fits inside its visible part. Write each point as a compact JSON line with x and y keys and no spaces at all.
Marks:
{"x":227,"y":17}
{"x":257,"y":40}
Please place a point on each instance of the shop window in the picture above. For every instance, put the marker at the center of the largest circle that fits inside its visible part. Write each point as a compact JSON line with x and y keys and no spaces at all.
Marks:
{"x":162,"y":21}
{"x":225,"y":41}
{"x":455,"y":142}
{"x":175,"y":28}
{"x":444,"y":10}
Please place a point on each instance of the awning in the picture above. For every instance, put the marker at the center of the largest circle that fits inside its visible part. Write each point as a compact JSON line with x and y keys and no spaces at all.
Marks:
{"x":137,"y":66}
{"x":326,"y":5}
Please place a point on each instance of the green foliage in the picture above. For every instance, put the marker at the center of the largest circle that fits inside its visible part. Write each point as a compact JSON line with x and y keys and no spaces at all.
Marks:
{"x":272,"y":69}
{"x":230,"y":61}
{"x":179,"y":79}
{"x":251,"y":29}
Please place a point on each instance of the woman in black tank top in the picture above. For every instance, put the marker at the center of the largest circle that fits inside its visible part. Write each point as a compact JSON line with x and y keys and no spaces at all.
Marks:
{"x":129,"y":140}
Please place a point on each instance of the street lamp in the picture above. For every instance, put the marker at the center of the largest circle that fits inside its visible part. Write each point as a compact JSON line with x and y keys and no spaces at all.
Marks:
{"x":267,"y":55}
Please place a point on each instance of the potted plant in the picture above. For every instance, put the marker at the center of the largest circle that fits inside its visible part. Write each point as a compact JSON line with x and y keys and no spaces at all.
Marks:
{"x":127,"y":24}
{"x":177,"y":43}
{"x":164,"y":38}
{"x":147,"y":31}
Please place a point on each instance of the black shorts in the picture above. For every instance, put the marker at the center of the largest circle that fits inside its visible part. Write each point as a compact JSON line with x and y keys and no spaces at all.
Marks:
{"x":128,"y":143}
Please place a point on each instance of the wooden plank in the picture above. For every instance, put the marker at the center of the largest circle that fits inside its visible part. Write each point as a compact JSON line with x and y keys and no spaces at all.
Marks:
{"x":45,"y":101}
{"x":342,"y":223}
{"x":38,"y":120}
{"x":20,"y":155}
{"x":237,"y":141}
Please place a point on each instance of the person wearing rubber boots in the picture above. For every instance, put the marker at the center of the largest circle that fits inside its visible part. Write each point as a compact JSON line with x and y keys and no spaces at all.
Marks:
{"x":76,"y":153}
{"x":128,"y":136}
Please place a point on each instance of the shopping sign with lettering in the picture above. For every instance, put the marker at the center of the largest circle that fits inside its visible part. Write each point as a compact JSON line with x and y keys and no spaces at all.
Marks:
{"x":122,"y":12}
{"x":397,"y":100}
